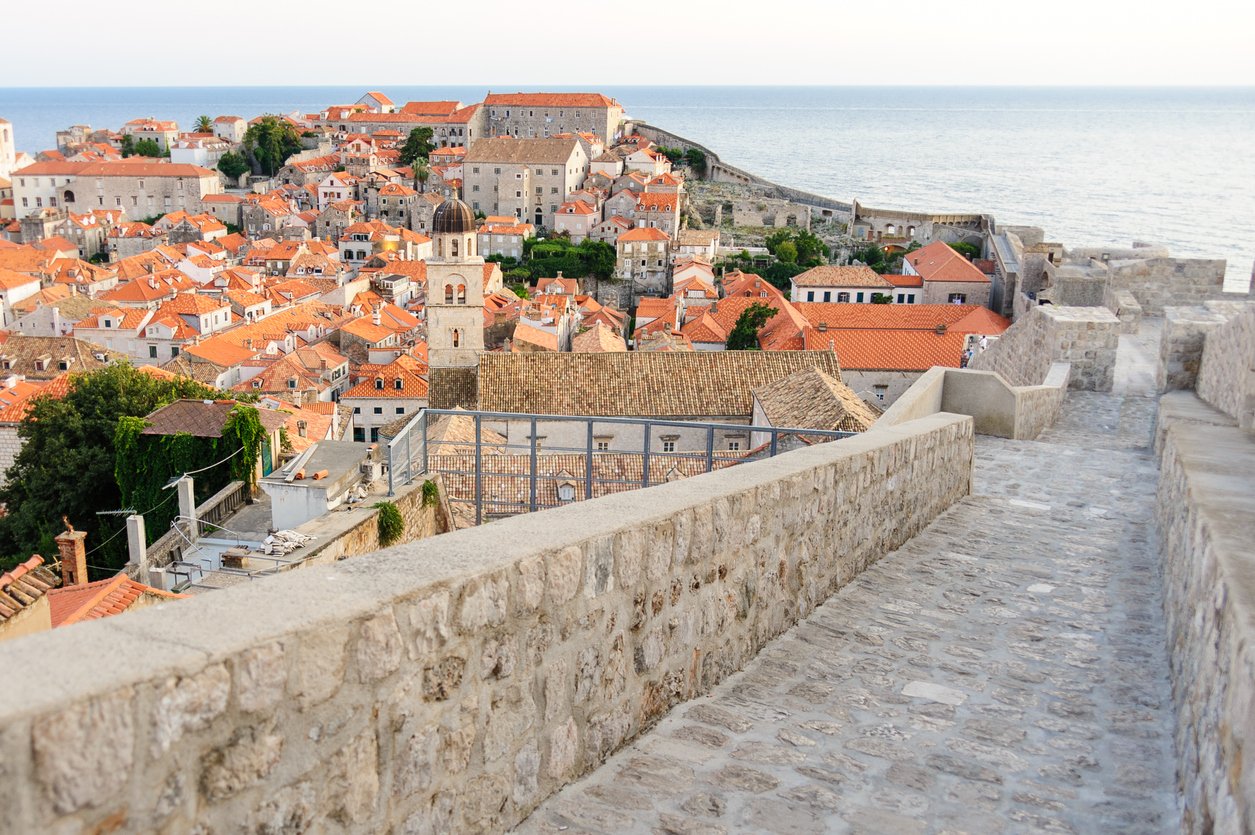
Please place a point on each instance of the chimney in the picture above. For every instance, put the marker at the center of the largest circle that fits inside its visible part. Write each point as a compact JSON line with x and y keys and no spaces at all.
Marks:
{"x":73,"y":556}
{"x":822,"y":327}
{"x":376,"y":317}
{"x":940,"y":330}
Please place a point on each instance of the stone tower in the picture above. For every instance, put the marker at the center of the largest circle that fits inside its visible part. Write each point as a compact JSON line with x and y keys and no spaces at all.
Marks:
{"x":455,"y":307}
{"x":8,"y":149}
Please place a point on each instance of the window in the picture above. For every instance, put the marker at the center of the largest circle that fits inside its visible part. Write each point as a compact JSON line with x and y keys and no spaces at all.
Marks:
{"x":63,"y":365}
{"x":566,"y":492}
{"x":956,"y":298}
{"x":475,"y":187}
{"x":379,"y":410}
{"x":668,"y":446}
{"x":734,"y":446}
{"x":553,"y":190}
{"x":843,"y":297}
{"x":603,"y":446}
{"x":901,"y":298}
{"x":859,"y":297}
{"x":880,"y":391}
{"x":379,"y":383}
{"x":291,"y":382}
{"x":397,"y":384}
{"x":152,"y":351}
{"x":827,"y":295}
{"x":400,"y":410}
{"x":357,"y":410}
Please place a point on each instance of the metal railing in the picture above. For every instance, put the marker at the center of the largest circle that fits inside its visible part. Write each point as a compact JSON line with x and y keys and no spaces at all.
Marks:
{"x":487,"y":469}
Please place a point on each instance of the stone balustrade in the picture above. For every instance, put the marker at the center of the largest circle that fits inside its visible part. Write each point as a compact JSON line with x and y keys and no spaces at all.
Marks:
{"x":454,"y":682}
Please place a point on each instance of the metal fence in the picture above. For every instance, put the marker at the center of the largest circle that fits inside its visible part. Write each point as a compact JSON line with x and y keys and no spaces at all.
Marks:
{"x":488,"y":471}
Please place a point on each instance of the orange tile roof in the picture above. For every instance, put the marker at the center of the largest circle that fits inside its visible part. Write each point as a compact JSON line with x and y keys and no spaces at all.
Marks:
{"x":966,"y":318}
{"x":890,"y":350}
{"x":644,"y":234}
{"x":657,"y":202}
{"x":831,"y":276}
{"x":550,"y":100}
{"x":403,"y":368}
{"x":364,"y":328}
{"x":101,"y":599}
{"x":940,"y":262}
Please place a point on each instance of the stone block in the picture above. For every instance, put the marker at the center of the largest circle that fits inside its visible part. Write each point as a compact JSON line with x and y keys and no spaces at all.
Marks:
{"x":189,"y":703}
{"x":84,"y":754}
{"x":260,"y":676}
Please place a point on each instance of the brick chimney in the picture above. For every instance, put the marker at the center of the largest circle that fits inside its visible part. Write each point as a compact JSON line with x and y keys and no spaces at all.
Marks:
{"x":73,"y":557}
{"x":376,"y":316}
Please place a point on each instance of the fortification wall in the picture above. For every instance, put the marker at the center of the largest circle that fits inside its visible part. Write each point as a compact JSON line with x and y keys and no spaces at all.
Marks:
{"x":1181,"y":345}
{"x":1206,"y":523}
{"x":1084,"y":337}
{"x":453,"y":683}
{"x":1226,"y":373}
{"x":996,"y":407}
{"x":1159,"y":282}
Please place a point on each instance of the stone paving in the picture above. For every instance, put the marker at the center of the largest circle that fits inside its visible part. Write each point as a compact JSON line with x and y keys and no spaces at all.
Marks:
{"x":1006,"y":670}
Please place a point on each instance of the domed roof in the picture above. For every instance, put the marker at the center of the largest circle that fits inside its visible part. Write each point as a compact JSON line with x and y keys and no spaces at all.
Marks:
{"x":453,"y":217}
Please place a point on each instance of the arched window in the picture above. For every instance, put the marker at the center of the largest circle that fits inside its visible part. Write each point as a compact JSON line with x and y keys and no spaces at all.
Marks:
{"x":69,"y":197}
{"x":461,"y":294}
{"x":448,"y":294}
{"x":454,"y":253}
{"x":457,"y":337}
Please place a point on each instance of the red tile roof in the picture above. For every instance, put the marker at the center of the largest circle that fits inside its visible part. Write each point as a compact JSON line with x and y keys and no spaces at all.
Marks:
{"x":939,"y":262}
{"x":101,"y":599}
{"x":550,"y":100}
{"x":890,"y":350}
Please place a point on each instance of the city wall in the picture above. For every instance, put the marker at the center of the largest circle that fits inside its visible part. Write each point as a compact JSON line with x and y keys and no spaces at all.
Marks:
{"x":1226,"y":374}
{"x":996,"y":407}
{"x":1206,"y":515}
{"x":1084,"y":337}
{"x":452,"y":683}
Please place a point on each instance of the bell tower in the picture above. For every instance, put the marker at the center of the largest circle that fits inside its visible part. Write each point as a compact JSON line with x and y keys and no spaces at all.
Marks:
{"x":455,"y":306}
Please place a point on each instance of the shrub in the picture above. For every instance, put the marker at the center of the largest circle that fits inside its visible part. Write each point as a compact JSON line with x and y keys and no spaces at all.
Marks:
{"x":431,"y":493}
{"x":391,"y":524}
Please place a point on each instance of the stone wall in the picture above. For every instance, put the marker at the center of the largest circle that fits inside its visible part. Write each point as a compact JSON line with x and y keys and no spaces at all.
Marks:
{"x":451,"y":684}
{"x":1206,"y":523}
{"x":1159,"y":282}
{"x":996,"y":407}
{"x":1181,"y":344}
{"x":10,"y":446}
{"x":1226,"y":374}
{"x":1084,"y":337}
{"x":1125,"y":307}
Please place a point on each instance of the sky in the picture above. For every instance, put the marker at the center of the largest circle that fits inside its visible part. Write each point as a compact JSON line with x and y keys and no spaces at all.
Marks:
{"x":687,"y":42}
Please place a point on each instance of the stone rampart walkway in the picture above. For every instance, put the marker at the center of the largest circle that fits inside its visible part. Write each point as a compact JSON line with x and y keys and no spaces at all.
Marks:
{"x":1004,"y":671}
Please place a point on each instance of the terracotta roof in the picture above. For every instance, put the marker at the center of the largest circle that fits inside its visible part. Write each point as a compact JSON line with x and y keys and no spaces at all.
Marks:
{"x":813,"y":400}
{"x":658,"y":201}
{"x":529,"y":335}
{"x":23,"y":352}
{"x":890,"y":350}
{"x":116,"y":168}
{"x":702,"y":383}
{"x":25,"y":585}
{"x":939,"y":262}
{"x":521,"y":151}
{"x":829,"y":276}
{"x":201,"y":419}
{"x":430,"y":108}
{"x":101,"y":599}
{"x":550,"y":100}
{"x":644,"y":234}
{"x":964,"y":318}
{"x":366,"y":329}
{"x":10,"y":279}
{"x":403,"y":368}
{"x":599,"y":338}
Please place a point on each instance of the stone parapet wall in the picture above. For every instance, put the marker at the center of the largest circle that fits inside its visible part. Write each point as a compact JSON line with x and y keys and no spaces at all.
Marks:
{"x":1084,"y":337}
{"x":453,"y":683}
{"x":1226,"y":373}
{"x":1206,"y":524}
{"x":1125,"y":306}
{"x":996,"y":407}
{"x":1181,"y":344}
{"x":1157,"y":283}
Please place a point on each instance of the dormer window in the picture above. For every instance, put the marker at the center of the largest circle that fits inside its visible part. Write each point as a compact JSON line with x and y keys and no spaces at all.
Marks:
{"x":257,"y":384}
{"x":379,"y":383}
{"x":397,"y":384}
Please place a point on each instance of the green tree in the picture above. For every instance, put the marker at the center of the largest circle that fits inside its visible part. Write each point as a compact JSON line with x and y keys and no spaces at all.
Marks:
{"x":744,"y":336}
{"x":422,"y":173}
{"x":128,"y":146}
{"x":968,"y":251}
{"x":204,"y":124}
{"x":147,"y":148}
{"x":233,"y":165}
{"x":520,"y":290}
{"x":269,"y":142}
{"x":417,"y":146}
{"x":696,"y":159}
{"x":787,"y":252}
{"x":66,"y":465}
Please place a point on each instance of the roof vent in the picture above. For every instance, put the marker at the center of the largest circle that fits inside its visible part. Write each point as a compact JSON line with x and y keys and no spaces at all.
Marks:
{"x":822,"y":327}
{"x":940,"y":330}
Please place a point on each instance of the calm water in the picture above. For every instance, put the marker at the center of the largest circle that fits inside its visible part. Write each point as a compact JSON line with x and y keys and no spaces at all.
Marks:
{"x":1091,"y":166}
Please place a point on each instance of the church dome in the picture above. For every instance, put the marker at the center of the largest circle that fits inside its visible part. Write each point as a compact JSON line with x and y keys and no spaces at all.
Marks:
{"x":453,"y":217}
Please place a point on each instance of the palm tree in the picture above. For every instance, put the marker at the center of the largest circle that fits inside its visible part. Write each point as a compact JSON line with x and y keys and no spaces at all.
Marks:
{"x":204,"y":125}
{"x":421,"y":174}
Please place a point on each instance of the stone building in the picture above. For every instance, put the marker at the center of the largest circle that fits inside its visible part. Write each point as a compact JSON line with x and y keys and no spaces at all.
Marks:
{"x":540,"y":115}
{"x":455,"y":291}
{"x":644,"y":261}
{"x":857,"y":284}
{"x":143,"y":189}
{"x":526,"y":178}
{"x":948,"y":277}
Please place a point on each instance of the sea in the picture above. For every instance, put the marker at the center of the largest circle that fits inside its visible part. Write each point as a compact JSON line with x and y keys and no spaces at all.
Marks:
{"x":1092,"y":165}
